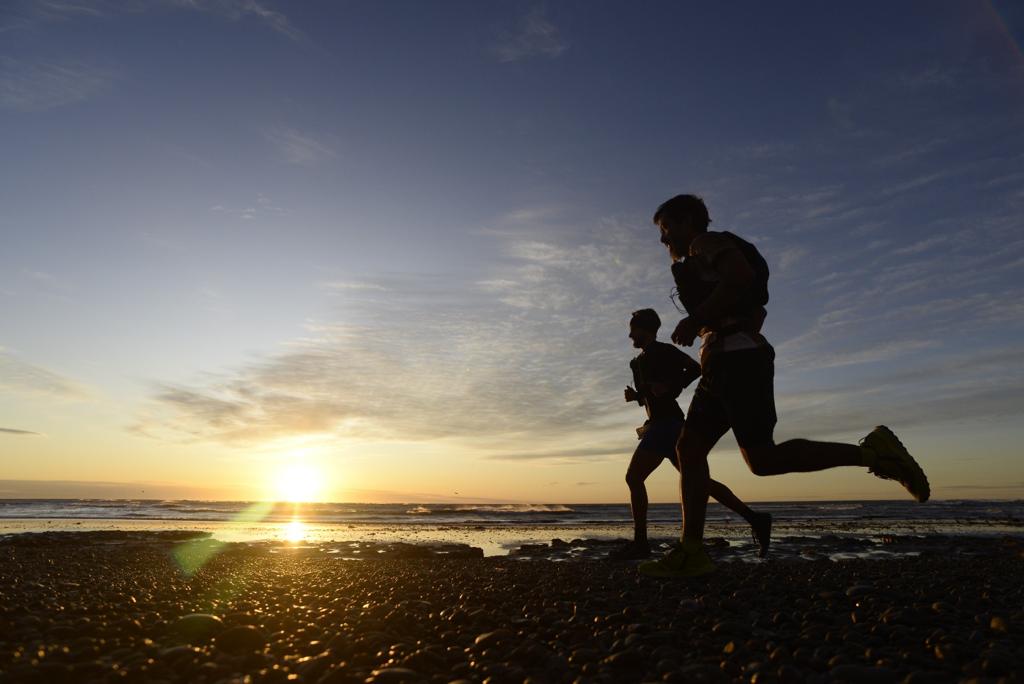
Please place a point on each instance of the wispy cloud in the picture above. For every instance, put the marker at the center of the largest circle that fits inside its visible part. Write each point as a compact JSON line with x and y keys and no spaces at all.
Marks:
{"x":918,"y":182}
{"x":349,"y":285}
{"x":32,"y":86}
{"x":237,"y":9}
{"x":12,"y":431}
{"x":17,"y":375}
{"x":301,"y":149}
{"x":536,"y":37}
{"x":520,"y":362}
{"x":424,"y":356}
{"x":262,"y":206}
{"x":28,"y":12}
{"x":574,"y":455}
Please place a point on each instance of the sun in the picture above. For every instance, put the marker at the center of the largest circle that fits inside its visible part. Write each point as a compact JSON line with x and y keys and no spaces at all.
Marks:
{"x":297,"y":483}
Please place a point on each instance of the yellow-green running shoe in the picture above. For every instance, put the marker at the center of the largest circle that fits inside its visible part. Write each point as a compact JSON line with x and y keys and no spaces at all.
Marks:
{"x":679,"y":562}
{"x":890,"y":460}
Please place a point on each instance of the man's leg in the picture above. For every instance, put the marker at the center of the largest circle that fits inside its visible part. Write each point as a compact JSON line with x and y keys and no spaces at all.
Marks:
{"x":723,"y":495}
{"x":760,"y":523}
{"x":750,"y":401}
{"x":689,"y":559}
{"x":800,"y":456}
{"x":643,"y":463}
{"x":881,"y":451}
{"x":694,"y":478}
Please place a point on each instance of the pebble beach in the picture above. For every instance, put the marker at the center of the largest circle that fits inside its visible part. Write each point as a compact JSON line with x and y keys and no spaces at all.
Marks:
{"x":169,"y":607}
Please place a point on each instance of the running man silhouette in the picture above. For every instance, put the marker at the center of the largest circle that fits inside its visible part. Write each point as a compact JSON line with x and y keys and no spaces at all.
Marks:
{"x":660,"y":373}
{"x":722,"y":281}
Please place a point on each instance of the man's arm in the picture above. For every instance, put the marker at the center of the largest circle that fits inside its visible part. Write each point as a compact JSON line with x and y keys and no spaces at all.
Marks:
{"x":690,"y":371}
{"x":735,"y":274}
{"x":674,"y":371}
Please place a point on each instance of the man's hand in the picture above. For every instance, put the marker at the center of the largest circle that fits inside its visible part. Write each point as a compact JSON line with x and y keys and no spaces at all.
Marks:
{"x":685,"y":332}
{"x":631,"y":394}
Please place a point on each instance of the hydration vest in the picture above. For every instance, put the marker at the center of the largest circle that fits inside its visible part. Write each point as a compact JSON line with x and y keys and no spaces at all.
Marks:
{"x":696,"y":280}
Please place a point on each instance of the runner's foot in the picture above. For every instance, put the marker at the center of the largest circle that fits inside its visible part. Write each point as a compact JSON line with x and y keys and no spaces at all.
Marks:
{"x":679,"y":562}
{"x":761,"y":531}
{"x":634,"y":550}
{"x":888,"y":459}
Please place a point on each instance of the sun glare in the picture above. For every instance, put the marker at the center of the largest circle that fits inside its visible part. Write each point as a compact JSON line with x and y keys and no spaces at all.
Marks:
{"x":297,"y":483}
{"x":295,"y":531}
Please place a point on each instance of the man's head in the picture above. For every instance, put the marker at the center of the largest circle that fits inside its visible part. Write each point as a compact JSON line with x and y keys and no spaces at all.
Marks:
{"x":643,"y":327}
{"x":680,"y":220}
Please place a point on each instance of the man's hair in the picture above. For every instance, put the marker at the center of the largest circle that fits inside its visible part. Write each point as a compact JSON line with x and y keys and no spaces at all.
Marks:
{"x":646,"y":319}
{"x":683,"y":208}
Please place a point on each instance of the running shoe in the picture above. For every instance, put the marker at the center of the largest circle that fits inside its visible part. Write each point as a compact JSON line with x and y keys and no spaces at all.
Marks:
{"x":890,"y":460}
{"x":761,"y":531}
{"x":632,"y":551}
{"x":679,"y":562}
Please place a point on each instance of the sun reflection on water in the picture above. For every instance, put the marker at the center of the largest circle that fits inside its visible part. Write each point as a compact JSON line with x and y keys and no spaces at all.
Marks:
{"x":295,"y":531}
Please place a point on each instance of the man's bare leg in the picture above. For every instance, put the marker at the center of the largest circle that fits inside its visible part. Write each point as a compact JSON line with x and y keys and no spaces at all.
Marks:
{"x":642,"y":464}
{"x":801,"y":456}
{"x":723,"y":495}
{"x":694,"y":477}
{"x":760,"y":523}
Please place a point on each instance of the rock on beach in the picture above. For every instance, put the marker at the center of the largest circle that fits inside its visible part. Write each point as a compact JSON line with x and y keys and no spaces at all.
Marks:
{"x":132,"y":613}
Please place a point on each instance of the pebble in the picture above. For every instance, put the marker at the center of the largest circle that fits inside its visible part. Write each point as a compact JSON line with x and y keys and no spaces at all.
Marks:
{"x":395,"y":675}
{"x":241,"y":639}
{"x":309,"y":616}
{"x":197,"y":627}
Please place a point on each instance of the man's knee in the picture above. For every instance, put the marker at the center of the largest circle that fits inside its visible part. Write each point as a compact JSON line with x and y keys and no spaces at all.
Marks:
{"x":691,"y":449}
{"x":634,"y":479}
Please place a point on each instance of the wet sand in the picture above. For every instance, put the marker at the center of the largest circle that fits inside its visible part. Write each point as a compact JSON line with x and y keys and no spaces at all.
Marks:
{"x":160,"y":607}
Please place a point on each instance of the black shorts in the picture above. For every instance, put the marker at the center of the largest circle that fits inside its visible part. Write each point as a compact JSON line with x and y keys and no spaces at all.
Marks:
{"x":661,"y":436}
{"x":737,"y":391}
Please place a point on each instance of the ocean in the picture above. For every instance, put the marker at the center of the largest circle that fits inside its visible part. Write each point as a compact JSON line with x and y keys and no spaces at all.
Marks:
{"x":945,"y":515}
{"x":833,"y":527}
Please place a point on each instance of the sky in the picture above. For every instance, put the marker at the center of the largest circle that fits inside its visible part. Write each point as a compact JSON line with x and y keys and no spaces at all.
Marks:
{"x":391,"y":248}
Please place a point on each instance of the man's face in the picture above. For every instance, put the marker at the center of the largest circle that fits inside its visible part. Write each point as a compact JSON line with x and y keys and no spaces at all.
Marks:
{"x":677,"y":236}
{"x":640,"y":336}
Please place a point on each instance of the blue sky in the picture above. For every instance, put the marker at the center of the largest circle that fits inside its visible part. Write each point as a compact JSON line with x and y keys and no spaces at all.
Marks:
{"x":401,"y":241}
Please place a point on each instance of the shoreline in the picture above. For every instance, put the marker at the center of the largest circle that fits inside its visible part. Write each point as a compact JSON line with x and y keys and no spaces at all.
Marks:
{"x":543,"y":543}
{"x":135,"y":608}
{"x":861,"y":538}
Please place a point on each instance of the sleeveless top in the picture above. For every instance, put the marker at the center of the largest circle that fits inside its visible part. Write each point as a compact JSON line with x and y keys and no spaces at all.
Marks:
{"x":696,"y":278}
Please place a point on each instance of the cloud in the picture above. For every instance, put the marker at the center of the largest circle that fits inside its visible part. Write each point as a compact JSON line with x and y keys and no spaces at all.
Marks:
{"x":12,"y":431}
{"x":19,"y":376}
{"x":237,"y":9}
{"x":791,"y":256}
{"x":978,"y":386}
{"x":911,"y":152}
{"x":492,"y":364}
{"x":537,"y":37}
{"x":84,"y":489}
{"x":918,"y":182}
{"x":574,"y":455}
{"x":921,"y":245}
{"x":25,"y":13}
{"x":262,"y":206}
{"x":298,"y":148}
{"x":348,"y":285}
{"x":1009,"y":485}
{"x":40,"y":85}
{"x":525,"y":359}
